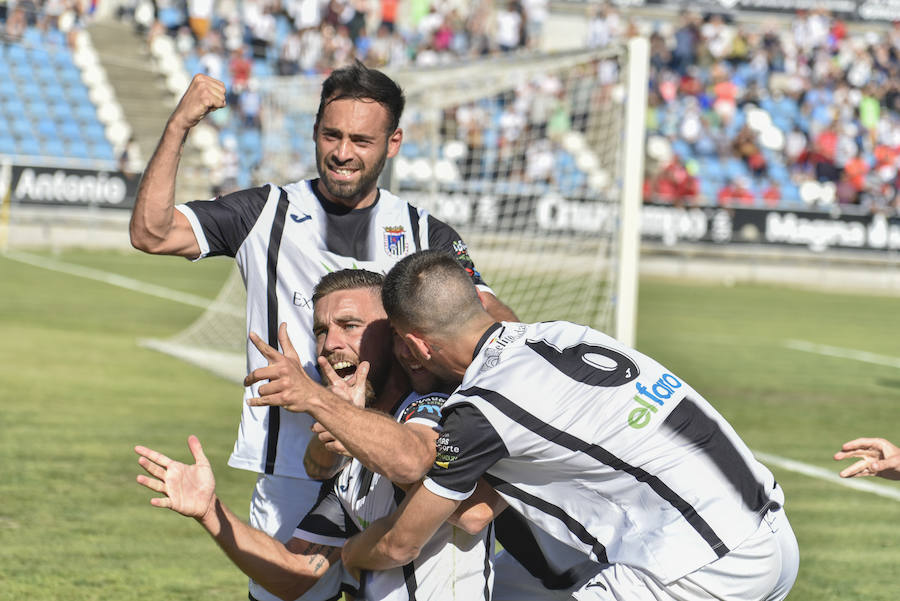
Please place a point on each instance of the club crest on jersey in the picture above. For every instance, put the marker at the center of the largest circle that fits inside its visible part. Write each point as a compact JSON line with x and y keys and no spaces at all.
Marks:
{"x":395,"y":241}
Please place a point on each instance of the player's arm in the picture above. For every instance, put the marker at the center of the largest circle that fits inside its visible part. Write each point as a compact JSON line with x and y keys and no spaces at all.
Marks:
{"x":321,"y":463}
{"x":286,"y":571}
{"x":475,"y":513}
{"x":156,"y":227}
{"x":402,"y":454}
{"x":397,"y":539}
{"x":443,"y":237}
{"x":466,"y":448}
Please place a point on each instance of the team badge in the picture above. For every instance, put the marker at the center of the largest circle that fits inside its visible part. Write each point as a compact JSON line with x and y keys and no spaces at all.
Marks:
{"x":395,"y":241}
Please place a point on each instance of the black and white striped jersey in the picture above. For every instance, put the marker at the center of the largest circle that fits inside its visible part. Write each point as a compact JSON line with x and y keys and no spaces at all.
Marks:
{"x":603,"y":448}
{"x":453,"y":565}
{"x":283,"y":241}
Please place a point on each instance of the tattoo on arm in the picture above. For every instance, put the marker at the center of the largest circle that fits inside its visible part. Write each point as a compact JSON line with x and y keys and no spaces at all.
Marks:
{"x":322,"y":556}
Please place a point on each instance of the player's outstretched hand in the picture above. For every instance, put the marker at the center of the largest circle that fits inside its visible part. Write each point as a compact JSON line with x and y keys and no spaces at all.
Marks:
{"x":186,"y":489}
{"x":288,"y":384}
{"x":878,"y":457}
{"x":352,"y":390}
{"x":203,"y":96}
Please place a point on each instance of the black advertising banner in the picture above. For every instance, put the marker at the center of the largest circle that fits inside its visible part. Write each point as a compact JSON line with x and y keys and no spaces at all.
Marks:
{"x":817,"y":231}
{"x":531,"y":209}
{"x":71,"y":187}
{"x":853,"y":10}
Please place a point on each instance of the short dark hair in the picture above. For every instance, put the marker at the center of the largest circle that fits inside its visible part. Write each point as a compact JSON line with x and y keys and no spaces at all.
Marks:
{"x":429,"y":292}
{"x":358,"y":82}
{"x":347,"y":279}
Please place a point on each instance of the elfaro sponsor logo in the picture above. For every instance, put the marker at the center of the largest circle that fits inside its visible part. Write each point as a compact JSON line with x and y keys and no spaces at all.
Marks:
{"x":660,"y":392}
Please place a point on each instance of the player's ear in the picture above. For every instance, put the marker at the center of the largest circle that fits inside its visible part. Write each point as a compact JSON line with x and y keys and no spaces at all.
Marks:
{"x":418,"y":346}
{"x":394,"y":142}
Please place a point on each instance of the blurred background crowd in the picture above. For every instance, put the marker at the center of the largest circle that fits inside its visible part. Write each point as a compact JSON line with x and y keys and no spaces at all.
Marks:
{"x":790,"y":112}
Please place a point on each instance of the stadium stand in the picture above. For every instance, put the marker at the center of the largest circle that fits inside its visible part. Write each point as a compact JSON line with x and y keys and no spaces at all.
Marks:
{"x":800,"y":113}
{"x":55,"y":103}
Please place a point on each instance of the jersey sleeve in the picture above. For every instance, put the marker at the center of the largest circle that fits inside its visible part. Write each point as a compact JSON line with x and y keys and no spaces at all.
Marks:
{"x":327,"y":523}
{"x":425,"y":411}
{"x":467,"y":447}
{"x":443,"y":237}
{"x":221,"y":225}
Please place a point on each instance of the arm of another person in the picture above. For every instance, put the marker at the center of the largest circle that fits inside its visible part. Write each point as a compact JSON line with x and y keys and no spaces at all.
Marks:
{"x":878,"y":457}
{"x":286,"y":571}
{"x":466,"y":449}
{"x":397,"y":539}
{"x":156,"y":227}
{"x":400,"y":453}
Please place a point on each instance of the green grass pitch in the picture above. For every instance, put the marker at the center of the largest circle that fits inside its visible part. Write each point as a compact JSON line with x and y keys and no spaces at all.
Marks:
{"x":78,"y":394}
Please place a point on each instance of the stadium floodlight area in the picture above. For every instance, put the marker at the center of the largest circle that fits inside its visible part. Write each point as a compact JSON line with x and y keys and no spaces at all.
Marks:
{"x":536,"y":161}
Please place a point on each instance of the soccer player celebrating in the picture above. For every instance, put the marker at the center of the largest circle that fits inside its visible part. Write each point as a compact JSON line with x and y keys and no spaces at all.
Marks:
{"x":284,"y":239}
{"x":600,"y":446}
{"x":351,"y":328}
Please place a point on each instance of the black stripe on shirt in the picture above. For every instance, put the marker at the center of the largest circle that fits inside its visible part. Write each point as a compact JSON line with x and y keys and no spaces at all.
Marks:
{"x":488,"y":561}
{"x":574,"y":526}
{"x":688,"y":421}
{"x":521,"y":417}
{"x":414,"y":225}
{"x":274,"y":421}
{"x":409,"y":575}
{"x":517,"y":537}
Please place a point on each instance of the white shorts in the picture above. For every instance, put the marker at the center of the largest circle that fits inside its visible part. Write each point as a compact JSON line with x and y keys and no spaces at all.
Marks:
{"x":762,"y":568}
{"x":277,"y":506}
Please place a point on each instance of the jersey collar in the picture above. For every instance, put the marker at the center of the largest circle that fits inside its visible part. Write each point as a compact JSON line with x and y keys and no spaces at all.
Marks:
{"x":484,"y":337}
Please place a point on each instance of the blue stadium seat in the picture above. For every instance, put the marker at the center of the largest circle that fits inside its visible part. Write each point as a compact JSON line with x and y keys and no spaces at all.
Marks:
{"x":85,"y":113}
{"x":16,"y":54}
{"x":28,"y":146}
{"x":7,"y":145}
{"x":62,"y":111}
{"x":32,"y":37}
{"x":94,"y":132}
{"x":53,"y":147}
{"x":78,"y":150}
{"x":70,"y":130}
{"x":21,"y":127}
{"x":71,"y":77}
{"x":47,"y":129}
{"x":171,"y":17}
{"x":101,"y":150}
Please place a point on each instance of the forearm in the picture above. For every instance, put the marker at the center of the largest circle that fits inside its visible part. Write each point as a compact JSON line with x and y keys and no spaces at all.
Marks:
{"x":153,"y":217}
{"x":373,"y":549}
{"x":479,"y":510}
{"x":401,"y":453}
{"x":397,"y":539}
{"x":319,"y":462}
{"x":496,"y":308}
{"x":263,"y":558}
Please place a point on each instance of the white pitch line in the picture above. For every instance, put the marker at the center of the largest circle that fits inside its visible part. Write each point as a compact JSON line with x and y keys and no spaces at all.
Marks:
{"x":823,"y":474}
{"x":111,"y":279}
{"x":843,"y":353}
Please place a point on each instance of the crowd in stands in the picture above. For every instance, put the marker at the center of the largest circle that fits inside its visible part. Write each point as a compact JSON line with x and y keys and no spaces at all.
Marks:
{"x":782,"y":114}
{"x":802,"y":112}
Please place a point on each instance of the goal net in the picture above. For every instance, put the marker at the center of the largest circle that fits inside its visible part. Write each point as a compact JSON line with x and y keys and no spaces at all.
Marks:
{"x":536,"y":161}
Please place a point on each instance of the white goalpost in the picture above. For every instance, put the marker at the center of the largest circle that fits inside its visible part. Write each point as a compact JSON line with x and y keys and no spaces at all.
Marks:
{"x":536,"y":161}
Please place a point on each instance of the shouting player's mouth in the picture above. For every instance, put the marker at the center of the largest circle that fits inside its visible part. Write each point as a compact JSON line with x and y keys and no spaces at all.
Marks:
{"x":344,"y":369}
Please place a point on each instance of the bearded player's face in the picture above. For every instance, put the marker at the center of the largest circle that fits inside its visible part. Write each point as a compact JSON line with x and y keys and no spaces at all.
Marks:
{"x":352,"y":145}
{"x":351,"y":326}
